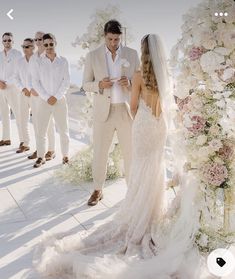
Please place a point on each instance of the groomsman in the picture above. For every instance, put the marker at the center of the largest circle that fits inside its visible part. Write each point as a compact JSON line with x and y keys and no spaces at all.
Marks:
{"x":108,"y":71}
{"x":22,"y":82}
{"x":9,"y":94}
{"x":52,"y":83}
{"x":34,"y":61}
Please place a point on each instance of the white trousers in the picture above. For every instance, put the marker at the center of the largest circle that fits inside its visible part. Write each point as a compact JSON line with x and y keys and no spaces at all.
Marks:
{"x":103,"y":132}
{"x":9,"y":99}
{"x":59,"y":111}
{"x":34,"y":104}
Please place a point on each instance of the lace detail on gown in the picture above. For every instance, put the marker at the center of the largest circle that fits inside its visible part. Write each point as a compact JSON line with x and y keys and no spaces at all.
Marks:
{"x":129,"y":235}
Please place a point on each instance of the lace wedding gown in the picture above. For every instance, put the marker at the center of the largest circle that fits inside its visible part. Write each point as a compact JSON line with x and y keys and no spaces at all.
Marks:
{"x":135,"y":244}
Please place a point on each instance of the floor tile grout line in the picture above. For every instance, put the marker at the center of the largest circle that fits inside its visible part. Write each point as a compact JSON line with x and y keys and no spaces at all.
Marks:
{"x":17,"y":203}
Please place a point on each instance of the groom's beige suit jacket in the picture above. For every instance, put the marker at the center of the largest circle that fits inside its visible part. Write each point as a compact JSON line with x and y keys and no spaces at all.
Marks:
{"x":96,"y":70}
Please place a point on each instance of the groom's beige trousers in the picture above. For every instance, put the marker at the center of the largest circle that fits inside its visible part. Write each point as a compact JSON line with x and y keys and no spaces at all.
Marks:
{"x":103,"y":132}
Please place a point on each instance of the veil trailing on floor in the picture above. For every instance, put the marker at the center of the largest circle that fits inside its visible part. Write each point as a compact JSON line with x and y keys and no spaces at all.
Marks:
{"x":177,"y":256}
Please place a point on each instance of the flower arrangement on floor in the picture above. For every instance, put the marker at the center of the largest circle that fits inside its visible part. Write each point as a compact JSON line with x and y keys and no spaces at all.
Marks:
{"x":79,"y":170}
{"x":203,"y":61}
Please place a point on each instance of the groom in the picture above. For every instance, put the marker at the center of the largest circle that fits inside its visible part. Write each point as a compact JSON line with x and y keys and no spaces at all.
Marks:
{"x":108,"y":72}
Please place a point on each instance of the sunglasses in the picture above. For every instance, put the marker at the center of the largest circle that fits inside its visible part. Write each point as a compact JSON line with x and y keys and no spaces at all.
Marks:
{"x":27,"y":46}
{"x":7,"y":41}
{"x":50,"y":44}
{"x":37,"y":40}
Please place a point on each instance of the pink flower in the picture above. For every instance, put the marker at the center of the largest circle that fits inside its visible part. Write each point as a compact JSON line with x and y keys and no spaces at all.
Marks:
{"x":226,"y":152}
{"x":198,"y":124}
{"x":182,"y":103}
{"x":214,"y":173}
{"x":195,"y":53}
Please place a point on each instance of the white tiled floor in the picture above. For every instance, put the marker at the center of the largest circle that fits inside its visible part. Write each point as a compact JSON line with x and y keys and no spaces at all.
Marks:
{"x":32,"y":201}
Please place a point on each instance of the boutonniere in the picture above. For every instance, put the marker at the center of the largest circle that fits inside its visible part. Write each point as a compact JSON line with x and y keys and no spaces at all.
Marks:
{"x":124,"y":64}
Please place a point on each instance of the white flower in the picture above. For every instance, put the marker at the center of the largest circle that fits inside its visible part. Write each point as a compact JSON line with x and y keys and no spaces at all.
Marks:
{"x":203,"y":240}
{"x":227,"y":94}
{"x":197,"y":103}
{"x":203,"y":153}
{"x":218,"y":160}
{"x":222,"y":51}
{"x":215,"y":144}
{"x":210,"y":61}
{"x":187,"y":121}
{"x":215,"y":83}
{"x":232,"y":57}
{"x":201,"y":140}
{"x":214,"y":130}
{"x":221,"y":103}
{"x":217,"y":96}
{"x":209,"y":43}
{"x":125,"y":63}
{"x":196,"y":69}
{"x":228,"y":74}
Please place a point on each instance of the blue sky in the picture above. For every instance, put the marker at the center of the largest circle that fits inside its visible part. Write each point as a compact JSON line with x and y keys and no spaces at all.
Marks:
{"x":69,"y":18}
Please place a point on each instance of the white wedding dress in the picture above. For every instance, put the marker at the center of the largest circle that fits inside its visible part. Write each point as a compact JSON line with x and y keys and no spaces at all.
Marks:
{"x":131,"y":233}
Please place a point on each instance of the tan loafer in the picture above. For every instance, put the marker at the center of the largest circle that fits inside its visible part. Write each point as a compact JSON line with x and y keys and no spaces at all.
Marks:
{"x":96,"y":196}
{"x":5,"y":142}
{"x":22,"y":149}
{"x":65,"y":160}
{"x":39,"y":162}
{"x":33,"y":156}
{"x":50,"y":155}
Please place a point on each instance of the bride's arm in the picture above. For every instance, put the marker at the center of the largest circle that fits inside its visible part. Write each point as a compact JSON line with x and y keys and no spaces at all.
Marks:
{"x":135,"y":92}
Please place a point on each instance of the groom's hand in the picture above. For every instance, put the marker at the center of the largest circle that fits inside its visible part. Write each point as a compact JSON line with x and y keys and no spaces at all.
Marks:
{"x":2,"y":85}
{"x":105,"y":83}
{"x":124,"y":81}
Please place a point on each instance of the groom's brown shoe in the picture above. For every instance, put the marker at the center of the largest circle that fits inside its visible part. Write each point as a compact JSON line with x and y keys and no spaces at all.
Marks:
{"x":96,"y":196}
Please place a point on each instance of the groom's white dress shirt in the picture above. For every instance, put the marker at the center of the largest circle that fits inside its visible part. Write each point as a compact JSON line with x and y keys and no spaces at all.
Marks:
{"x":8,"y":63}
{"x":53,"y":77}
{"x":115,"y":71}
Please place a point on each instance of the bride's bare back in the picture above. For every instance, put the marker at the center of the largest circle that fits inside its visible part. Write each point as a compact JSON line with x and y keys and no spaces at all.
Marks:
{"x":150,"y":97}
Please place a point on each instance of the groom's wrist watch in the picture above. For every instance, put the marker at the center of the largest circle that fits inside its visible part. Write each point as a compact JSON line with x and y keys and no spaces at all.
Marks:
{"x":101,"y":91}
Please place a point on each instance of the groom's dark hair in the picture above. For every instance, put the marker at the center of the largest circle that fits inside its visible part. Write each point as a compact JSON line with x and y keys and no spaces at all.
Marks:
{"x":113,"y":26}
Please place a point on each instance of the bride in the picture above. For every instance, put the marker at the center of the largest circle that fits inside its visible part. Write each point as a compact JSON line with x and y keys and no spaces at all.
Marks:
{"x":144,"y":239}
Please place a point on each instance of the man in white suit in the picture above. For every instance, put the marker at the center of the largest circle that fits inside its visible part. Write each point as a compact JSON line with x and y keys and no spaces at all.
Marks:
{"x":22,"y":82}
{"x":8,"y":91}
{"x":52,"y":83}
{"x":34,"y":61}
{"x":108,"y":72}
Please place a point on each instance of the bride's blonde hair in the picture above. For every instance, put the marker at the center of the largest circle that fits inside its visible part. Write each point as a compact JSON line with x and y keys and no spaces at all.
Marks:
{"x":146,"y":66}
